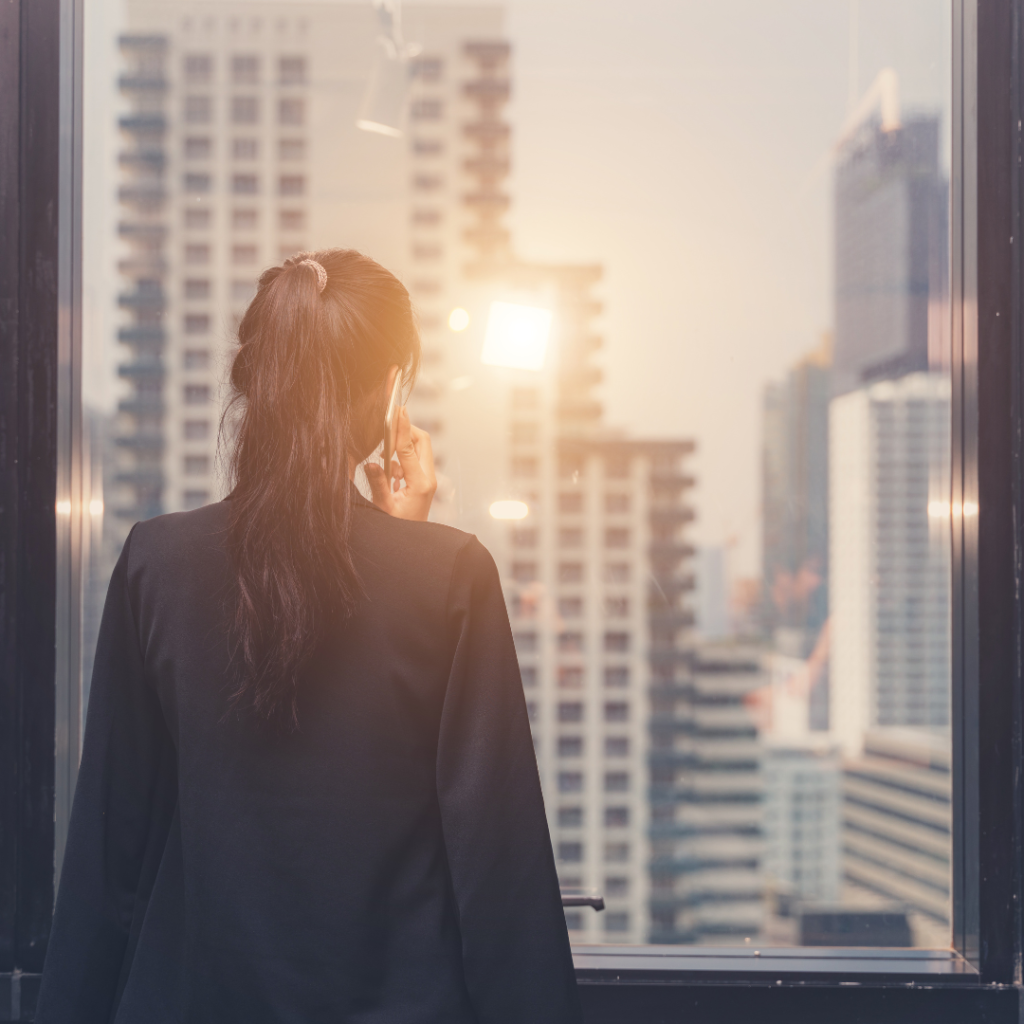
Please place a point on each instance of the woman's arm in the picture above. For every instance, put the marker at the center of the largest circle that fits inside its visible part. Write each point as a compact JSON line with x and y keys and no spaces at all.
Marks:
{"x":517,"y":961}
{"x":122,"y":809}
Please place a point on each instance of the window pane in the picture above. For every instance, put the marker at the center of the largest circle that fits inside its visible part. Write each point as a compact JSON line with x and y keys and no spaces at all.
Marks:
{"x":730,"y":595}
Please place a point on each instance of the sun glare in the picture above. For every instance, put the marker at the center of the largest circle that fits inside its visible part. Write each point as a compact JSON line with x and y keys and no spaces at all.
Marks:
{"x":517,"y":336}
{"x":509,"y":510}
{"x":459,"y":319}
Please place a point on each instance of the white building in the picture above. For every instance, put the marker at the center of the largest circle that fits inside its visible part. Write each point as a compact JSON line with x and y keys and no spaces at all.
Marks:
{"x":240,"y":148}
{"x":889,"y":592}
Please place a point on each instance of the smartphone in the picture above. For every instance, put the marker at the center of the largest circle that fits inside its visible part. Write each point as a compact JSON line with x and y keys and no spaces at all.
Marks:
{"x":391,"y":426}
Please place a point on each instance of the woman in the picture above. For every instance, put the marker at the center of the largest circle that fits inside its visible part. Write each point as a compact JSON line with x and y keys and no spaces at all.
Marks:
{"x":308,"y":790}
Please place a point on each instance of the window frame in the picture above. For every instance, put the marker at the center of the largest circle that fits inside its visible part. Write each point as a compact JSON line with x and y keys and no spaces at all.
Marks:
{"x":40,"y":423}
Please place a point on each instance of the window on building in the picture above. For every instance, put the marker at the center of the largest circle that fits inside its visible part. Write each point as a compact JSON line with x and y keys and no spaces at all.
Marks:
{"x":573,"y":920}
{"x":197,"y":219}
{"x":427,"y":69}
{"x":426,"y":110}
{"x":617,"y":572}
{"x":616,"y":467}
{"x":570,"y":607}
{"x":570,"y":782}
{"x":570,"y":537}
{"x":427,"y":253}
{"x":244,"y":220}
{"x":570,"y":572}
{"x":198,"y":68}
{"x":524,"y":605}
{"x":245,"y":69}
{"x":616,"y":607}
{"x":243,"y":291}
{"x":524,"y":572}
{"x":197,"y":394}
{"x":616,"y":782}
{"x":242,"y":254}
{"x":426,"y":217}
{"x":198,"y":109}
{"x":570,"y":641}
{"x":196,"y":359}
{"x":245,"y":149}
{"x":196,"y":430}
{"x":616,"y":921}
{"x":291,"y":149}
{"x":292,"y":220}
{"x":614,"y":641}
{"x":427,"y":147}
{"x":570,"y":466}
{"x":616,"y":537}
{"x":244,"y":184}
{"x":291,"y":70}
{"x":616,"y":711}
{"x":570,"y":677}
{"x":615,"y":503}
{"x":616,"y":676}
{"x":193,"y":182}
{"x":524,"y":538}
{"x":616,"y":853}
{"x":532,"y":710}
{"x":197,"y":288}
{"x":197,"y":465}
{"x":524,"y":466}
{"x":291,"y":185}
{"x":291,"y":111}
{"x":198,"y":148}
{"x":570,"y":817}
{"x":528,"y":673}
{"x":616,"y":886}
{"x":526,"y":642}
{"x":616,"y":746}
{"x":570,"y":711}
{"x":570,"y":503}
{"x":616,"y":817}
{"x":197,"y":323}
{"x":570,"y":746}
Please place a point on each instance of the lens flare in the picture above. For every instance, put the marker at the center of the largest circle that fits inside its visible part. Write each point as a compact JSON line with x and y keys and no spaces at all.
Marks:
{"x":509,"y":510}
{"x":459,"y":319}
{"x":517,"y":336}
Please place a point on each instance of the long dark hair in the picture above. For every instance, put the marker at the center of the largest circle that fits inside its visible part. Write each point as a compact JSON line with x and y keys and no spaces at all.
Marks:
{"x":308,"y":383}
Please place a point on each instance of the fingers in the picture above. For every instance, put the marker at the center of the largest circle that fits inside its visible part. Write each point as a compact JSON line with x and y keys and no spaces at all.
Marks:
{"x":417,"y":476}
{"x":379,"y":485}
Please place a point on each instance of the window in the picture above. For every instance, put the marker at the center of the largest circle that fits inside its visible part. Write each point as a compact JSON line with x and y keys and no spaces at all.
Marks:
{"x":428,"y":69}
{"x":244,"y":184}
{"x":426,"y":217}
{"x":615,"y":503}
{"x":524,"y":538}
{"x":616,"y":853}
{"x":616,"y":641}
{"x":245,"y":109}
{"x":570,"y":817}
{"x":616,"y":921}
{"x":573,"y":920}
{"x":426,"y":110}
{"x":427,"y":147}
{"x":524,"y":572}
{"x":196,"y":359}
{"x":196,"y":394}
{"x":198,"y":68}
{"x":532,"y":710}
{"x":616,"y":817}
{"x":427,"y":253}
{"x":197,"y":219}
{"x":291,"y":149}
{"x":616,"y":711}
{"x":616,"y":676}
{"x":570,"y":711}
{"x":244,"y":220}
{"x":196,"y":430}
{"x":570,"y":503}
{"x":616,"y":538}
{"x":245,"y":69}
{"x":616,"y":572}
{"x":292,"y":185}
{"x":616,"y":886}
{"x":197,"y":254}
{"x":570,"y":746}
{"x":616,"y":782}
{"x":529,"y":676}
{"x":197,"y":323}
{"x":570,"y":537}
{"x":616,"y":746}
{"x":570,"y":677}
{"x":616,"y":467}
{"x":198,"y":109}
{"x":570,"y":607}
{"x":242,"y":254}
{"x":291,"y":70}
{"x":526,"y":642}
{"x":570,"y":641}
{"x":196,"y":183}
{"x":198,"y":148}
{"x":570,"y":782}
{"x":616,"y":607}
{"x":245,"y":149}
{"x":524,"y":466}
{"x":570,"y":572}
{"x":197,"y":288}
{"x":291,"y":111}
{"x":197,"y":465}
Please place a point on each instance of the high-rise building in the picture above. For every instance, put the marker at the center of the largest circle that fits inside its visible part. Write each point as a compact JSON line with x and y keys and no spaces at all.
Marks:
{"x":707,"y":872}
{"x":240,"y":147}
{"x":890,"y":557}
{"x":891,"y":244}
{"x":794,"y":460}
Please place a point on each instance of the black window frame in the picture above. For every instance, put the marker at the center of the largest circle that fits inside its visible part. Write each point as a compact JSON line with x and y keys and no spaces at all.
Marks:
{"x":978,"y":979}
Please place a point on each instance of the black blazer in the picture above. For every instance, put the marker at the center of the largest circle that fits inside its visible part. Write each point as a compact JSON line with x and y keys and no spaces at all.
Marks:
{"x":389,"y":861}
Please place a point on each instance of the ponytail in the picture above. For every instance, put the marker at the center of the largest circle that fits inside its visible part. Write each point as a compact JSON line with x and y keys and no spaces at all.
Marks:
{"x":308,"y":379}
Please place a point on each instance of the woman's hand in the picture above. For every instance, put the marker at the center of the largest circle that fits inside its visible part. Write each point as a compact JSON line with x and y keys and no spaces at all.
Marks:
{"x":415,"y":466}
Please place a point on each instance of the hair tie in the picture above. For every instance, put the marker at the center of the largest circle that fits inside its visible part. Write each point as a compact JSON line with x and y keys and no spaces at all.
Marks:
{"x":321,"y":274}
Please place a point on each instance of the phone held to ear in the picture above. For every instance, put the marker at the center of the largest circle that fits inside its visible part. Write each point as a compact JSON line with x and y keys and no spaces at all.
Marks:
{"x":391,"y":427}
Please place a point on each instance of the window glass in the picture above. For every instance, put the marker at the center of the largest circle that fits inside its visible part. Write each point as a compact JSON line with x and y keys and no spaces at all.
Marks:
{"x":720,"y":233}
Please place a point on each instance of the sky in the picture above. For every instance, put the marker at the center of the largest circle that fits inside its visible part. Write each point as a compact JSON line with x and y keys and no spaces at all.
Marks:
{"x":686,"y":145}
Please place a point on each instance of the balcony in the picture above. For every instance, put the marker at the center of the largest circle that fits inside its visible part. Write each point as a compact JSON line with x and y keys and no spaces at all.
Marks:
{"x":147,"y":197}
{"x":486,"y":200}
{"x":148,"y":158}
{"x":489,"y":52}
{"x":142,"y":232}
{"x":145,"y":405}
{"x":486,"y":131}
{"x":142,"y":83}
{"x":670,"y":618}
{"x":141,"y":477}
{"x":492,"y":89}
{"x":143,"y":44}
{"x":142,"y":299}
{"x":671,"y":515}
{"x":148,"y":444}
{"x":142,"y":369}
{"x":489,"y":167}
{"x":147,"y":336}
{"x":146,"y":124}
